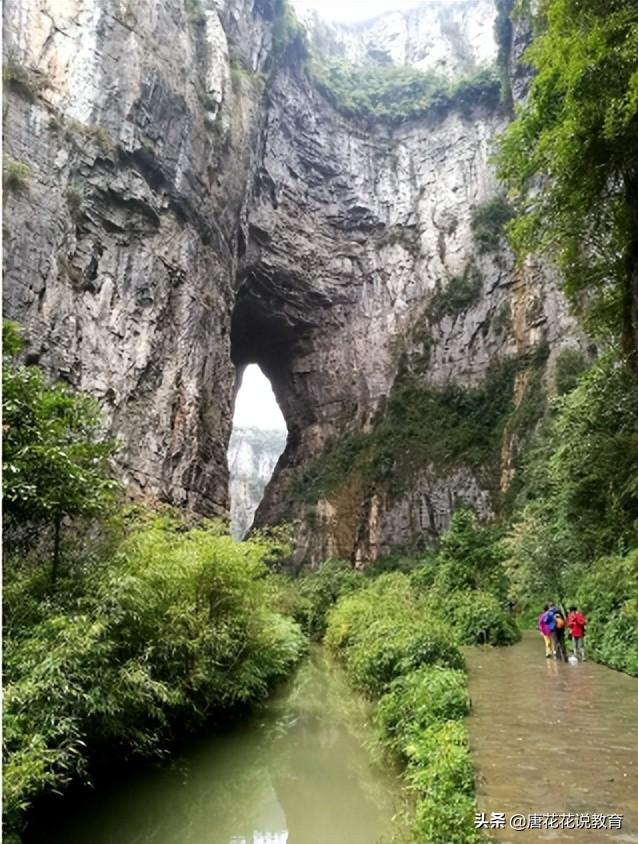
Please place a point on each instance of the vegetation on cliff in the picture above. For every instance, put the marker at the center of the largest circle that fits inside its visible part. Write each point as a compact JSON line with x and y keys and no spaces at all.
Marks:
{"x":392,"y":93}
{"x":570,"y":160}
{"x":577,"y":135}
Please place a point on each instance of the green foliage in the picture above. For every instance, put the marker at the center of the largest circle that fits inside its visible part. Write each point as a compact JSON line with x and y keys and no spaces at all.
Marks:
{"x":608,"y":594}
{"x":397,"y":645}
{"x":577,"y":515}
{"x":335,"y":463}
{"x":382,"y":631}
{"x":593,"y":468}
{"x":577,"y":136}
{"x":469,"y":557}
{"x":447,"y":818}
{"x":465,"y":583}
{"x":289,"y":39}
{"x":317,"y":591}
{"x":54,"y":451}
{"x":177,"y":626}
{"x":458,"y":295}
{"x":478,"y":618}
{"x":22,"y":80}
{"x":465,"y":427}
{"x":419,"y":700}
{"x":570,"y":365}
{"x":15,"y":176}
{"x":392,"y":94}
{"x":488,"y":223}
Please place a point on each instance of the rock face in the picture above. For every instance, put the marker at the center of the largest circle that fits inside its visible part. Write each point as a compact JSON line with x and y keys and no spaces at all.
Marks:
{"x":194,"y":204}
{"x":252,"y":457}
{"x":121,"y":247}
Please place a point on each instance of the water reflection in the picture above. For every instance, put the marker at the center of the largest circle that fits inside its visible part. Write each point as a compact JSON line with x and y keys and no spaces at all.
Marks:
{"x":297,"y":773}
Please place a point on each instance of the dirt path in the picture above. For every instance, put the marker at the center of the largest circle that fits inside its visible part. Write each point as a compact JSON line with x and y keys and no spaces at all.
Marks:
{"x":552,"y":738}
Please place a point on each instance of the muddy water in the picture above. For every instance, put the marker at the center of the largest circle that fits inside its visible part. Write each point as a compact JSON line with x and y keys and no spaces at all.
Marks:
{"x":297,"y":773}
{"x":550,"y":737}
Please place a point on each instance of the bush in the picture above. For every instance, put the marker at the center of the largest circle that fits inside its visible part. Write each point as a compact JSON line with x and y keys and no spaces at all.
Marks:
{"x":319,"y":590}
{"x":459,"y":294}
{"x":439,"y":758}
{"x":15,"y":176}
{"x":381,"y":633}
{"x":395,"y":644}
{"x":446,"y":819}
{"x":570,"y":365}
{"x":178,"y":626}
{"x":608,"y":595}
{"x":469,"y":557}
{"x":488,"y":223}
{"x":477,"y":618}
{"x":418,"y":700}
{"x":24,"y":81}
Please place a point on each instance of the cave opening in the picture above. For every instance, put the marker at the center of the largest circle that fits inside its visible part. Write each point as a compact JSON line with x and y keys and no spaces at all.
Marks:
{"x":257,"y":440}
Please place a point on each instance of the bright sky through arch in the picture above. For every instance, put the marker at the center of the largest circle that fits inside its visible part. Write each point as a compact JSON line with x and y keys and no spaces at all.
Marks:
{"x":256,"y":405}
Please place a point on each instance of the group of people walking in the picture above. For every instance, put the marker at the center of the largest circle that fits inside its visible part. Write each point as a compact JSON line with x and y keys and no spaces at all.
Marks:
{"x":553,"y":625}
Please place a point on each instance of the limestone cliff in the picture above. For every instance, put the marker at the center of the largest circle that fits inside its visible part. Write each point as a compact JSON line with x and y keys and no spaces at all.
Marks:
{"x":252,"y":457}
{"x":194,"y":202}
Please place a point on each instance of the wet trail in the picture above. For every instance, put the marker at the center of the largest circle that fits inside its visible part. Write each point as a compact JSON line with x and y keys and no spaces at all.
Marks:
{"x":552,"y":737}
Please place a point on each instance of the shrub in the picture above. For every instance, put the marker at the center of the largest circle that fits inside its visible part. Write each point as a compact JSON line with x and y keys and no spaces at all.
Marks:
{"x":459,"y":294}
{"x":469,"y":557}
{"x":15,"y":176}
{"x":608,"y":595}
{"x":55,"y":455}
{"x":418,"y":700}
{"x":488,"y":223}
{"x":179,"y":625}
{"x":477,"y":618}
{"x":289,"y":40}
{"x":570,"y":365}
{"x":446,"y":819}
{"x":439,"y":758}
{"x":381,"y":633}
{"x":319,"y":590}
{"x":22,"y":80}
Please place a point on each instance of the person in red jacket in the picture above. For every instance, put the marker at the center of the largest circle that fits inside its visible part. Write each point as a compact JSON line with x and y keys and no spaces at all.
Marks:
{"x":576,"y":622}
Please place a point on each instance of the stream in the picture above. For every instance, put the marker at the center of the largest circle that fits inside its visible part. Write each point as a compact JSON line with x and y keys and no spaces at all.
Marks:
{"x":546,"y":737}
{"x":550,"y":737}
{"x":296,"y":772}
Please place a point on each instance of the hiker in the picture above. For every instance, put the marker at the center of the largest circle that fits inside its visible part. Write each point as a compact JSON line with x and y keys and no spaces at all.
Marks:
{"x":545,"y":631}
{"x":558,"y":633}
{"x":576,"y":622}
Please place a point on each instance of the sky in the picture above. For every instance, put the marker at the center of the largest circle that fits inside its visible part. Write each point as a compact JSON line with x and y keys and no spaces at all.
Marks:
{"x":354,"y":10}
{"x":256,"y":405}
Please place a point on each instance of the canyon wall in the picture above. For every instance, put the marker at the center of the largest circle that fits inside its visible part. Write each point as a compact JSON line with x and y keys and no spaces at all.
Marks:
{"x":195,"y":203}
{"x":252,"y":457}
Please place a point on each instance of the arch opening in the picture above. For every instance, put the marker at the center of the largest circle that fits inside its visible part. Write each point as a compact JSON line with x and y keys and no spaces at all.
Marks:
{"x":258,"y":438}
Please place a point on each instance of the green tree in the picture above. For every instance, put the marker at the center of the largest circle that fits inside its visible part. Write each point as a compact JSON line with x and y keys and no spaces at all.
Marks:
{"x":55,"y":453}
{"x":571,"y":158}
